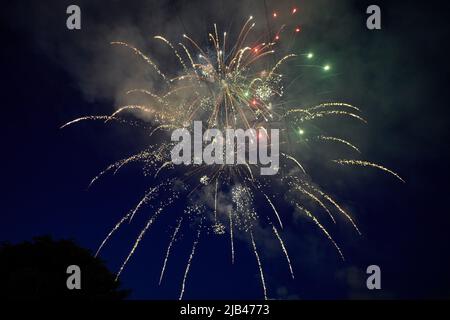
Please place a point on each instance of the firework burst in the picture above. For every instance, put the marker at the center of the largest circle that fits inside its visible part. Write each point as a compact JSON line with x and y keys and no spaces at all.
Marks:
{"x":227,"y":85}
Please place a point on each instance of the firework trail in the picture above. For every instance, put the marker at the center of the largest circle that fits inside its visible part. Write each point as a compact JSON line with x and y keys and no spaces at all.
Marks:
{"x":275,"y":231}
{"x":368,"y":164}
{"x":169,"y":247}
{"x":188,"y":266}
{"x":261,"y":273}
{"x":231,"y":237}
{"x":227,"y":85}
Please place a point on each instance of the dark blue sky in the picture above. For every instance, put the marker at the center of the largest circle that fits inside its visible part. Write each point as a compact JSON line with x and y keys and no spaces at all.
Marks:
{"x":397,"y":76}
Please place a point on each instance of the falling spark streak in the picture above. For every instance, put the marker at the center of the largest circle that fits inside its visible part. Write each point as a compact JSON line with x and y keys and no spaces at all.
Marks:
{"x":334,"y":104}
{"x":173,"y":49}
{"x":111,"y":232}
{"x":296,"y":162}
{"x":188,"y":266}
{"x":151,"y":94}
{"x":86,"y":118}
{"x":259,"y":266}
{"x":328,"y":138}
{"x":131,"y":107}
{"x":165,"y":164}
{"x":188,"y":54}
{"x":163,"y":126}
{"x":284,"y":250}
{"x":110,"y":167}
{"x":323,"y":194}
{"x":324,"y":230}
{"x":312,"y":196}
{"x":321,"y":114}
{"x":368,"y":164}
{"x":215,"y":201}
{"x":138,"y":240}
{"x":274,"y":210}
{"x":118,"y":165}
{"x":98,"y":118}
{"x":289,"y":112}
{"x":143,"y":201}
{"x":172,"y":240}
{"x":280,"y":62}
{"x":242,"y":51}
{"x":138,"y":52}
{"x":231,"y":237}
{"x":249,"y":171}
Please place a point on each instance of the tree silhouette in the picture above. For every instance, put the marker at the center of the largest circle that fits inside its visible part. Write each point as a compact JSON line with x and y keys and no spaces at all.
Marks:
{"x":37,"y":270}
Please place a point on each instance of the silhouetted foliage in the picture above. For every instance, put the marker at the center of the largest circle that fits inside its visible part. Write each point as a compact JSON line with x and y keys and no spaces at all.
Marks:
{"x":37,"y":270}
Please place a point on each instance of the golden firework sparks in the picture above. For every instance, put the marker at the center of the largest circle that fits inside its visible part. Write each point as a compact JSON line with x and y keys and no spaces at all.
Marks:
{"x":227,"y":87}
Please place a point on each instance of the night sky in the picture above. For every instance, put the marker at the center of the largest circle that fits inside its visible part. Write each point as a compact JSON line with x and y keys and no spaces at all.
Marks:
{"x":397,"y":76}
